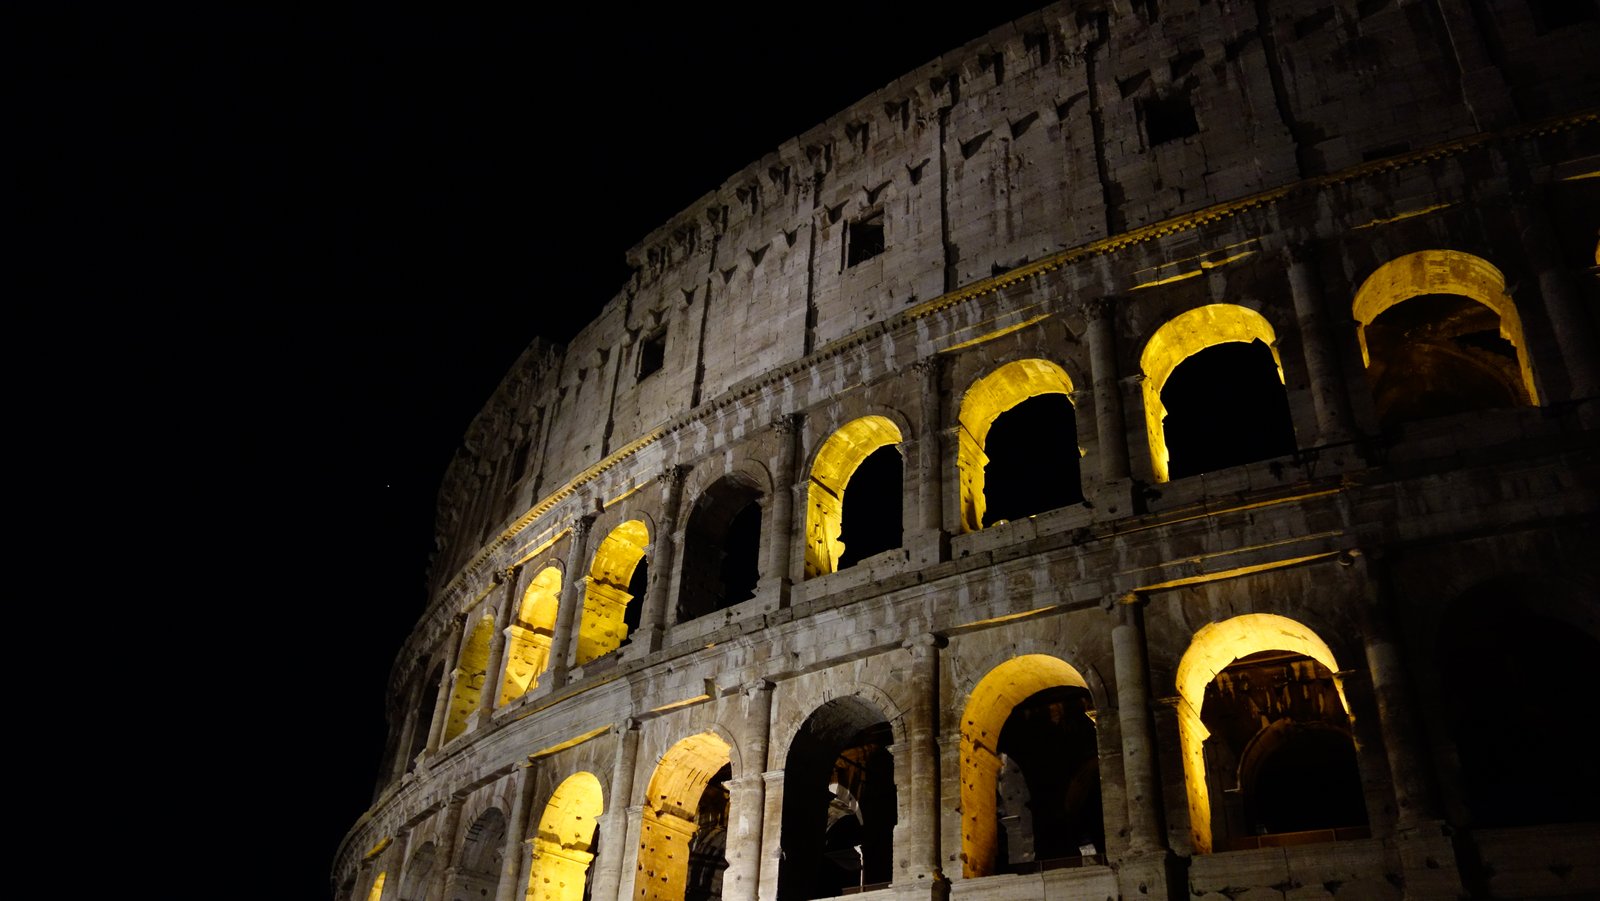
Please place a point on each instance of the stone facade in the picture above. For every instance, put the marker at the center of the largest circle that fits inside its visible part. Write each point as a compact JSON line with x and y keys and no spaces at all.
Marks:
{"x":1232,"y":370}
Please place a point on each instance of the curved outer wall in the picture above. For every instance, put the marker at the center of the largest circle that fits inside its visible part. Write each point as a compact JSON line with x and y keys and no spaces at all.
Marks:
{"x":1098,"y":195}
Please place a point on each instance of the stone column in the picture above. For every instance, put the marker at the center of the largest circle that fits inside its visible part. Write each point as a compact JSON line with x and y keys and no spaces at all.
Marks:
{"x":779,"y":568}
{"x":653,"y":618}
{"x":452,"y":846}
{"x":747,"y":798}
{"x":447,"y":685}
{"x":1139,"y":765}
{"x":771,"y":832}
{"x":1563,"y":302}
{"x":516,"y":834}
{"x":573,"y":582}
{"x":930,"y":496}
{"x":1415,"y":801}
{"x":614,"y":822}
{"x":1328,"y":399}
{"x":1111,"y":435}
{"x":496,"y":669}
{"x":398,"y":852}
{"x":917,"y":857}
{"x":399,"y":766}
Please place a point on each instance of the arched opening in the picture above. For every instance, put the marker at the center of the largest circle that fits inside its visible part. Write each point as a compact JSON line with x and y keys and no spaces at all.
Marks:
{"x":471,"y":671}
{"x":424,"y":723}
{"x":566,"y":840}
{"x":477,"y":870}
{"x":1269,"y":757}
{"x":683,"y":832}
{"x":1521,"y":740}
{"x":614,"y":583}
{"x":843,"y":528}
{"x":528,"y":648}
{"x":722,"y":548}
{"x":838,"y":803}
{"x":376,"y":894}
{"x":1440,"y":335}
{"x":1030,"y":781}
{"x":1018,"y":444}
{"x":1226,"y":404}
{"x":419,"y":874}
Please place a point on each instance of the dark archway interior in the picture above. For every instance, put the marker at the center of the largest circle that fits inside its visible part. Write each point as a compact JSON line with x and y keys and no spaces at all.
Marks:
{"x":871,"y":519}
{"x":708,"y":851}
{"x":419,"y":875}
{"x":839,"y":795}
{"x":1280,"y":758}
{"x":638,"y":585}
{"x":1440,"y":354}
{"x":594,"y":849}
{"x":1050,"y":738}
{"x":1033,"y":460}
{"x":1225,"y":407}
{"x":477,"y":869}
{"x":722,"y":548}
{"x":1521,"y":735}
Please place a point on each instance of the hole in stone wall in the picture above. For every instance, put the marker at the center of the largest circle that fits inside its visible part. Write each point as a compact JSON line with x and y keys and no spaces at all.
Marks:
{"x":865,"y":239}
{"x":1033,"y":459}
{"x":1048,"y":794}
{"x":871,"y":518}
{"x":1225,"y":407}
{"x":721,"y":557}
{"x":652,"y":354}
{"x":1440,"y":354}
{"x":1168,"y":118}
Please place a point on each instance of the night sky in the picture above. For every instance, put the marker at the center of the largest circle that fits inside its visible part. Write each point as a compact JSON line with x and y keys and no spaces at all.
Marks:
{"x":318,"y":241}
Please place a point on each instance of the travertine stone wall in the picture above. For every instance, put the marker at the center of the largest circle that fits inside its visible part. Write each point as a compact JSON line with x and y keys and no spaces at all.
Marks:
{"x":1029,"y":214}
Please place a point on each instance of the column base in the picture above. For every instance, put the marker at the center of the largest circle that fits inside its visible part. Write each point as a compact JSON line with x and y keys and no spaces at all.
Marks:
{"x":922,"y":887}
{"x":1157,"y":875}
{"x":1428,"y":861}
{"x":1115,"y":500}
{"x":927,"y":548}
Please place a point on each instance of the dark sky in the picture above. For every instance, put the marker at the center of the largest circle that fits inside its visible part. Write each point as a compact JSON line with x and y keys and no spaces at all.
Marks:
{"x":316,"y":243}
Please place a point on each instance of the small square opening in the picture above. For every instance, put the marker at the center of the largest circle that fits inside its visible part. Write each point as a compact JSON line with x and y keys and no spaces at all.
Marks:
{"x":865,"y":239}
{"x":1169,"y":118}
{"x":652,"y":354}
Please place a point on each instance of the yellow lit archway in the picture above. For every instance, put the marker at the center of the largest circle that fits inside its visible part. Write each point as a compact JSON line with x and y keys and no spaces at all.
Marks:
{"x":1442,"y":272}
{"x":528,"y":648}
{"x":669,"y":823}
{"x":983,"y":403}
{"x":991,"y":703}
{"x":1214,"y":647}
{"x":471,"y":671}
{"x":564,"y":845}
{"x":835,"y":463}
{"x":1182,"y":337}
{"x":605,"y":600}
{"x":377,"y":888}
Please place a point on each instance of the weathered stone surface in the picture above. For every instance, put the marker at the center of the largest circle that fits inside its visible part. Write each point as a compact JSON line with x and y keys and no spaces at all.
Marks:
{"x":1133,"y":686}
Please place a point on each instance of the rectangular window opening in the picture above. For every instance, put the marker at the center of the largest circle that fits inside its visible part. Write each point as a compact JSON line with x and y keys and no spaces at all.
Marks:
{"x":1169,"y":118}
{"x":865,"y":238}
{"x":652,"y":354}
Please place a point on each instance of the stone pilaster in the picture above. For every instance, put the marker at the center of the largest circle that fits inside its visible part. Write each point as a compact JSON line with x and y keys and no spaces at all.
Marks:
{"x":917,"y":853}
{"x":1110,"y":434}
{"x":573,"y":582}
{"x":1139,"y":766}
{"x":778,"y":566}
{"x":928,"y":540}
{"x":1563,"y":302}
{"x":447,"y":857}
{"x":1328,"y":399}
{"x":614,"y":822}
{"x":663,"y":563}
{"x":447,"y":685}
{"x":496,"y":669}
{"x":511,"y":875}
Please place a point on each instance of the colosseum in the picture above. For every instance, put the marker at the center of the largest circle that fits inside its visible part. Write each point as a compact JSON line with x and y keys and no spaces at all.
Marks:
{"x":1147,"y":452}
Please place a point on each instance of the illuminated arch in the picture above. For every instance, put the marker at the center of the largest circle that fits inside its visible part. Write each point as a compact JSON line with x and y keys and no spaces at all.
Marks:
{"x":605,"y":600}
{"x":835,"y":463}
{"x":471,"y":672}
{"x":669,"y":824}
{"x":528,"y":650}
{"x":563,"y":846}
{"x":1429,"y":272}
{"x":1214,"y":647}
{"x":377,"y":887}
{"x":988,"y":707}
{"x":983,"y":403}
{"x":1182,"y":337}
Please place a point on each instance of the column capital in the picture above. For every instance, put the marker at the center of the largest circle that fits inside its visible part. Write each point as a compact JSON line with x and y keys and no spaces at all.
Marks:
{"x":928,"y":365}
{"x":1302,"y":251}
{"x":673,"y":476}
{"x":756,"y":686}
{"x":927,"y":640}
{"x":788,"y":423}
{"x":1104,"y":306}
{"x":1118,"y":599}
{"x":626,"y":725}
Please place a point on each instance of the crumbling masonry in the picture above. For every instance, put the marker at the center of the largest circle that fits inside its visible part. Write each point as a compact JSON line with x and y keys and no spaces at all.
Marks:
{"x":1149,"y":452}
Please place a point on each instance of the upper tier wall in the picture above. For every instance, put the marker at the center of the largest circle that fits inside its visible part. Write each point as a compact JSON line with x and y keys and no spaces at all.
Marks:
{"x":1064,"y":127}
